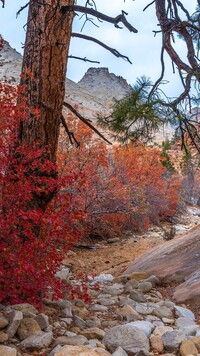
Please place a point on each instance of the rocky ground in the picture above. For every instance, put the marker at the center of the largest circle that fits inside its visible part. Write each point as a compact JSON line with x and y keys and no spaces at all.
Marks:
{"x":128,"y":314}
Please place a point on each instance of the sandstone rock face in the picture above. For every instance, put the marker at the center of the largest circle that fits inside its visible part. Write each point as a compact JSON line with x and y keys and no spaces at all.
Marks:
{"x":177,"y":260}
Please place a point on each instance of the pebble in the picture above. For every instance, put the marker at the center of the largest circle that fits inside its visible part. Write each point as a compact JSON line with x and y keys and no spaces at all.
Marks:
{"x":127,"y":316}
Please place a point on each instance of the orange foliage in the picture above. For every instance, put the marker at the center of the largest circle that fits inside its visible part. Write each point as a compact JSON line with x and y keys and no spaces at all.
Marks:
{"x":122,"y":188}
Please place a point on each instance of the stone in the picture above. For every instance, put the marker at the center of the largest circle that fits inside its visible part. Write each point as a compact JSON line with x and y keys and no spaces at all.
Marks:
{"x":168,"y":321}
{"x":137,"y":296}
{"x":3,"y":337}
{"x":55,"y":349}
{"x":163,"y":312}
{"x":93,"y":323}
{"x":196,"y":342}
{"x":172,"y":340}
{"x":130,"y":338}
{"x":184,"y":312}
{"x":129,"y":313}
{"x":63,"y":274}
{"x":93,"y":333}
{"x":79,"y":322}
{"x":67,"y":312}
{"x":145,"y":287}
{"x":99,"y":308}
{"x":143,"y":325}
{"x":119,"y":352}
{"x":27,"y":327}
{"x":188,"y":348}
{"x":71,"y":340}
{"x":69,"y":350}
{"x":3,"y":322}
{"x":115,"y":289}
{"x":42,"y":320}
{"x":16,"y":318}
{"x":183,"y":322}
{"x":106,"y":301}
{"x":138,"y":276}
{"x":104,"y":277}
{"x":7,"y":351}
{"x":131,"y":283}
{"x":62,"y":304}
{"x":25,"y":308}
{"x":154,"y":280}
{"x":144,"y":309}
{"x":161,"y":330}
{"x":156,"y":343}
{"x":37,"y":341}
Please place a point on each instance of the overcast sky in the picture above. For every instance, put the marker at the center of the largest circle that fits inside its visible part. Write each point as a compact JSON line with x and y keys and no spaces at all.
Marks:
{"x":142,"y":48}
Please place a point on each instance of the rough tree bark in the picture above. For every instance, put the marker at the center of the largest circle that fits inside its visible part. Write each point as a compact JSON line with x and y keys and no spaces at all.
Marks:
{"x":45,"y":56}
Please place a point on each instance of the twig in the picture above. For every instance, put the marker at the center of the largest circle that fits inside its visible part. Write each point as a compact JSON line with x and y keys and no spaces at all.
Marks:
{"x":22,"y":8}
{"x":83,"y":59}
{"x":85,"y":121}
{"x":69,"y":133}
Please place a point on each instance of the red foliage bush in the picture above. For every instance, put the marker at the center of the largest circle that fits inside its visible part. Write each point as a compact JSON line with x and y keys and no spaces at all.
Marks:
{"x":33,"y":240}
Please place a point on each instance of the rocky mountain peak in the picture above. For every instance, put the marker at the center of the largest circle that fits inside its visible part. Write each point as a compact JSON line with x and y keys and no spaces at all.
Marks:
{"x":105,"y":85}
{"x":9,"y":54}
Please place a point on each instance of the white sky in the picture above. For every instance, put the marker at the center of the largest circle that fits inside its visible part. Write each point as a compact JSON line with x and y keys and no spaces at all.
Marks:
{"x":142,"y":48}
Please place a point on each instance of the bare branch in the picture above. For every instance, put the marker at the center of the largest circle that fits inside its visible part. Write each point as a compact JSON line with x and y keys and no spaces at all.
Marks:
{"x":69,"y":133}
{"x":114,"y":20}
{"x":22,"y":8}
{"x":112,"y":50}
{"x":83,"y":59}
{"x":151,"y":3}
{"x":85,"y":121}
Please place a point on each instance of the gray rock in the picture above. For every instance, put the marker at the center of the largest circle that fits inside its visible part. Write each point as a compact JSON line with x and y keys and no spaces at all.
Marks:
{"x":99,"y":308}
{"x":42,"y":320}
{"x":173,"y":339}
{"x":37,"y":341}
{"x":106,"y":301}
{"x":143,"y":325}
{"x":144,"y":309}
{"x":7,"y":351}
{"x":62,"y":303}
{"x":67,"y":312}
{"x":104,"y":277}
{"x":132,"y":283}
{"x":115,"y":289}
{"x":79,"y":322}
{"x":137,"y":296}
{"x":67,"y":321}
{"x":184,"y":312}
{"x":154,"y":280}
{"x":25,"y":308}
{"x":71,"y":340}
{"x":16,"y":318}
{"x":92,"y":323}
{"x":131,"y":339}
{"x":63,"y":274}
{"x":119,"y":352}
{"x":145,"y":287}
{"x":55,"y":349}
{"x":163,"y":312}
{"x":183,"y":322}
{"x":3,"y":322}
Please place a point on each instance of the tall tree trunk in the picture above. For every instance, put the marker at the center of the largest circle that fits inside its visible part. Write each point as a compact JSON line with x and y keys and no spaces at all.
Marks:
{"x":45,"y":57}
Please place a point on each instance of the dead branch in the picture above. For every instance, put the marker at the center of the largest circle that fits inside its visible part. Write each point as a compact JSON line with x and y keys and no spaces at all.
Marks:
{"x":22,"y":8}
{"x":112,"y":50}
{"x":90,"y":11}
{"x":85,"y":121}
{"x":83,"y":59}
{"x":70,"y":134}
